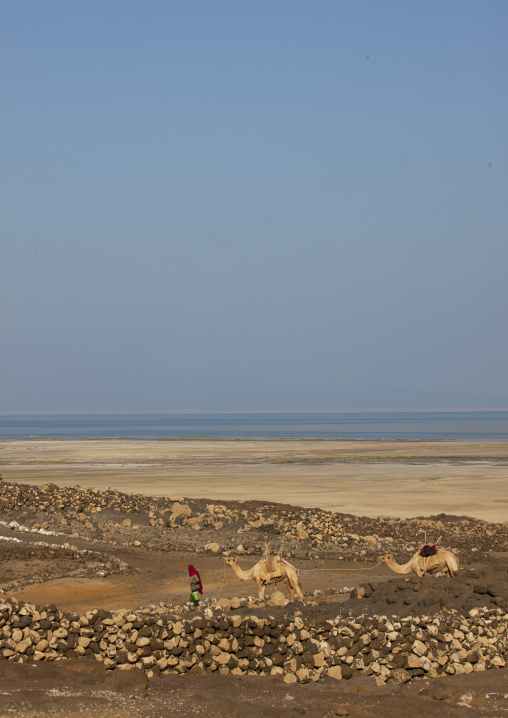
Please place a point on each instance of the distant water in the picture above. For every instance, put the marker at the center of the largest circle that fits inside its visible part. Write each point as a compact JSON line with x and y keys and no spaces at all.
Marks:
{"x":472,"y":426}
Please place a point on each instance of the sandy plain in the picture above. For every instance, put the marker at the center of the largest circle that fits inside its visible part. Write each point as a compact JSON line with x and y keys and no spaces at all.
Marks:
{"x":369,"y":478}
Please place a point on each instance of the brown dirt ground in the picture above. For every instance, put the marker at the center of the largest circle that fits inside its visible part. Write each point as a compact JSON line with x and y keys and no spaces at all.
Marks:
{"x":67,"y":689}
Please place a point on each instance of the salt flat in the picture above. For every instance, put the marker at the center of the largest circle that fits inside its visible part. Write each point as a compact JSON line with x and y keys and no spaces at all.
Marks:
{"x":370,"y":478}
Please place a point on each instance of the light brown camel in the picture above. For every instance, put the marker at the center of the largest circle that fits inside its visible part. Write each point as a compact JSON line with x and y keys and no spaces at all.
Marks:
{"x":259,"y":573}
{"x":441,"y":561}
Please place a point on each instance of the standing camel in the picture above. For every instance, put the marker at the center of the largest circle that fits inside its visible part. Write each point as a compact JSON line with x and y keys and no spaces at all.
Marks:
{"x":261,"y":574}
{"x":441,"y":561}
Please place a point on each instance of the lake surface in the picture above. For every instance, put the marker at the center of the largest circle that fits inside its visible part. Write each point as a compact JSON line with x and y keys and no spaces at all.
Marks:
{"x":472,"y":426}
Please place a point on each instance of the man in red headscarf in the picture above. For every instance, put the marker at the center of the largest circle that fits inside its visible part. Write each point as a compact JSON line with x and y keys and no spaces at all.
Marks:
{"x":195,"y":585}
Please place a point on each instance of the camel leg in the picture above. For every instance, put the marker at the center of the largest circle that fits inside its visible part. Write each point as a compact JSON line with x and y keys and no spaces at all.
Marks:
{"x":289,"y":589}
{"x":261,"y":589}
{"x":296,"y":586}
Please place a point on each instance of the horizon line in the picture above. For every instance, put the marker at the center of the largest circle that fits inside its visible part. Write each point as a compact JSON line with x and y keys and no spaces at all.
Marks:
{"x":205,"y":412}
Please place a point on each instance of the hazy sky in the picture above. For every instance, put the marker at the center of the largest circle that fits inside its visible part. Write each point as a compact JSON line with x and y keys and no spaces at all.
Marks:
{"x":253,"y":205}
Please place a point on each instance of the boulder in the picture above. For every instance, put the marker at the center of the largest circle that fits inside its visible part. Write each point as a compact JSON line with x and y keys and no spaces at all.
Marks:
{"x":420,"y":648}
{"x":180,"y":510}
{"x":195,"y":520}
{"x":302,"y":675}
{"x":277,"y":599}
{"x":212,"y":546}
{"x":335,"y":672}
{"x":369,"y":540}
{"x":290,"y":678}
{"x":400,"y":675}
{"x":223,"y":603}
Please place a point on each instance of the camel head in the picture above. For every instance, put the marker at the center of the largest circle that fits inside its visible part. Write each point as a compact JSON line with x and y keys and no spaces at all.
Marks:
{"x":231,"y":561}
{"x":384,"y":559}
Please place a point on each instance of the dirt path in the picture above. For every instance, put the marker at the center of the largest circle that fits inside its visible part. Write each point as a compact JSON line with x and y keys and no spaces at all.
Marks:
{"x":162,"y":577}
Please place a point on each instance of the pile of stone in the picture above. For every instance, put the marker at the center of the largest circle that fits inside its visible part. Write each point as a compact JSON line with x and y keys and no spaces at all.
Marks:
{"x":464,"y":535}
{"x":45,"y":562}
{"x":335,"y":531}
{"x":408,"y":595}
{"x":296,"y":646}
{"x":174,"y":522}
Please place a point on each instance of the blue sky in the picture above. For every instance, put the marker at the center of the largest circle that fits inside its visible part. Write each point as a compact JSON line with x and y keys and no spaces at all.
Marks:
{"x":253,"y":206}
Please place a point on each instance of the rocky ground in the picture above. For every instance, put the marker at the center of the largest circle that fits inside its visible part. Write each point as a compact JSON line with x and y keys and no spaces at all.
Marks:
{"x":245,"y":527}
{"x":71,"y":688}
{"x":74,"y":549}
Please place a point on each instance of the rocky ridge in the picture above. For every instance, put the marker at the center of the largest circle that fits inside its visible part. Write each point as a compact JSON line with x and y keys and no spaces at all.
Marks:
{"x":172,"y":522}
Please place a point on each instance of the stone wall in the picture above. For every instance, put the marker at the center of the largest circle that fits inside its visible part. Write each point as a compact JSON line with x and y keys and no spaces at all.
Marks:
{"x":299,"y":647}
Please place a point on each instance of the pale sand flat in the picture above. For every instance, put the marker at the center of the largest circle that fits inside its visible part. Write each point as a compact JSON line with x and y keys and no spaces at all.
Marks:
{"x":368,"y":478}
